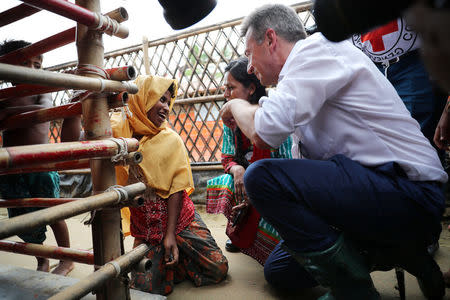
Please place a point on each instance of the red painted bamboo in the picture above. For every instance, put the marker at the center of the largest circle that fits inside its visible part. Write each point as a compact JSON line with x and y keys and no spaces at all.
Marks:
{"x":35,"y":202}
{"x":77,"y":13}
{"x":63,"y":81}
{"x":58,"y":166}
{"x":133,"y":158}
{"x":21,"y":156}
{"x":54,"y":41}
{"x":59,"y":112}
{"x":23,"y":90}
{"x":122,"y":73}
{"x":16,"y":13}
{"x":46,"y":251}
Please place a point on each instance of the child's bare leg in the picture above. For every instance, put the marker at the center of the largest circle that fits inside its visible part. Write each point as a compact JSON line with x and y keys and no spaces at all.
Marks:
{"x":62,"y":239}
{"x":42,"y":264}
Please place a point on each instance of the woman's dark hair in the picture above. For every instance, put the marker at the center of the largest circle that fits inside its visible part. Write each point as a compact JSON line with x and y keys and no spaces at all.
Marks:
{"x":171,"y":90}
{"x":238,"y":69}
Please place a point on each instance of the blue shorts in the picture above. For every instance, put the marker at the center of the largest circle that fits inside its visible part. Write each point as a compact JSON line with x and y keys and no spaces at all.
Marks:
{"x":29,"y":185}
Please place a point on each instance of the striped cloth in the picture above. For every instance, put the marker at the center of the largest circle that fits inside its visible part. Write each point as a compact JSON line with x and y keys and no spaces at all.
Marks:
{"x":220,"y":199}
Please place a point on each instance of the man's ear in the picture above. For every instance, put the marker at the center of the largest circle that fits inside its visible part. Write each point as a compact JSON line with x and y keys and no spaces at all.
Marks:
{"x":271,"y":37}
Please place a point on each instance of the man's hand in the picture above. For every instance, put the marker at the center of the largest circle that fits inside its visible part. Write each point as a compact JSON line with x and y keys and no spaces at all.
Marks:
{"x":171,"y":250}
{"x":227,"y":115}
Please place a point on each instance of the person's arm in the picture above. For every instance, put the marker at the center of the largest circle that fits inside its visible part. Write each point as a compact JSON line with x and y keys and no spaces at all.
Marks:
{"x":71,"y":129}
{"x":43,"y":101}
{"x":442,"y":133}
{"x":174,"y":205}
{"x":243,"y":113}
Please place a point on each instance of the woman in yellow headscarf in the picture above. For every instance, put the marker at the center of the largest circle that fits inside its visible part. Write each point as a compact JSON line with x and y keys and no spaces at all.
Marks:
{"x":183,"y":244}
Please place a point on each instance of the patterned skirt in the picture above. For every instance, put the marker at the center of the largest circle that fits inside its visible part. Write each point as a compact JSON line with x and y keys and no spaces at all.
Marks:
{"x":220,"y":199}
{"x":200,"y":260}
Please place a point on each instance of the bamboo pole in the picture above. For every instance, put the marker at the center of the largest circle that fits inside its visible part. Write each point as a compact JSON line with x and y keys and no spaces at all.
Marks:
{"x":20,"y":74}
{"x":53,"y":42}
{"x":122,"y":73}
{"x":81,"y":15}
{"x":215,"y":167}
{"x":104,"y":275}
{"x":30,"y":221}
{"x":24,"y":156}
{"x":35,"y":202}
{"x":53,"y":166}
{"x":59,"y":112}
{"x":106,"y":233}
{"x":46,"y":251}
{"x":22,"y":90}
{"x":16,"y":13}
{"x":201,"y":99}
{"x":145,"y":52}
{"x":49,"y":202}
{"x":76,"y":171}
{"x":132,"y":158}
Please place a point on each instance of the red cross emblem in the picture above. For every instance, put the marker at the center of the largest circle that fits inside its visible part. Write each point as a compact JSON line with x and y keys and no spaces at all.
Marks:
{"x":375,"y":37}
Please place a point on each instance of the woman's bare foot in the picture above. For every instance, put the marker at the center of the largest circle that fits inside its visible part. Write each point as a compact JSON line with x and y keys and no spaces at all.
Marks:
{"x":64,"y":267}
{"x":43,"y":264}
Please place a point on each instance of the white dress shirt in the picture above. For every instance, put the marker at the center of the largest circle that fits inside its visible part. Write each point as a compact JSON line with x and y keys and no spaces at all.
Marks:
{"x":337,"y":102}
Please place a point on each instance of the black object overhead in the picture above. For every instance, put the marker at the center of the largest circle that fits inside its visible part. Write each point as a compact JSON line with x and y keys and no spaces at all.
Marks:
{"x":180,"y":14}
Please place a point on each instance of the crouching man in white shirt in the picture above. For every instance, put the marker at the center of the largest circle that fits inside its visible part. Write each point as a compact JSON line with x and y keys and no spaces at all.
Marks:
{"x":370,"y":176}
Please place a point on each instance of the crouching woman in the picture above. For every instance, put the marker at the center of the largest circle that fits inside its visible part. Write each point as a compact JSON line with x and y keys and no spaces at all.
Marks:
{"x":183,"y":247}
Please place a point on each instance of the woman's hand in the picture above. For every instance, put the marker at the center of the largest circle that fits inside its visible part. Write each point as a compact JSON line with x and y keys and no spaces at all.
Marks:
{"x":238,"y":172}
{"x":238,"y":212}
{"x":442,"y":133}
{"x":171,"y":250}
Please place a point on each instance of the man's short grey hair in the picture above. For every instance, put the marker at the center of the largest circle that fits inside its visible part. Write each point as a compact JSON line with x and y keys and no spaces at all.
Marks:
{"x":281,"y":18}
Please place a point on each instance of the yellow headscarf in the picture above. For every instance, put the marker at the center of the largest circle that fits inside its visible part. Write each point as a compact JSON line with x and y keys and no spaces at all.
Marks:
{"x":165,"y":161}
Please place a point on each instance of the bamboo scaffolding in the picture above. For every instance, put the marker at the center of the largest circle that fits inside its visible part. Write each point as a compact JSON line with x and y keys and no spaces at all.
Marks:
{"x":28,"y":222}
{"x":46,"y":251}
{"x":103,"y":275}
{"x":106,"y":235}
{"x":53,"y":42}
{"x":132,"y":158}
{"x":24,"y":156}
{"x":20,"y":74}
{"x":35,"y":202}
{"x":16,"y":13}
{"x":59,"y":112}
{"x":82,"y":16}
{"x":119,"y":74}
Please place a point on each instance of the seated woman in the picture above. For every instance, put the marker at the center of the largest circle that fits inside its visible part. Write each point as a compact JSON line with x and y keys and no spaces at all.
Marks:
{"x":226,"y":194}
{"x":182,"y":244}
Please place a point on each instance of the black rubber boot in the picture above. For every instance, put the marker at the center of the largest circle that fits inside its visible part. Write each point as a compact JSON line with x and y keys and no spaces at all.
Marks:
{"x":342,"y":269}
{"x":420,"y":263}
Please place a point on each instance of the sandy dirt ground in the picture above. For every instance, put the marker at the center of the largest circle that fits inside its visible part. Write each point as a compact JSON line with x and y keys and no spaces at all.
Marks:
{"x":245,"y":279}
